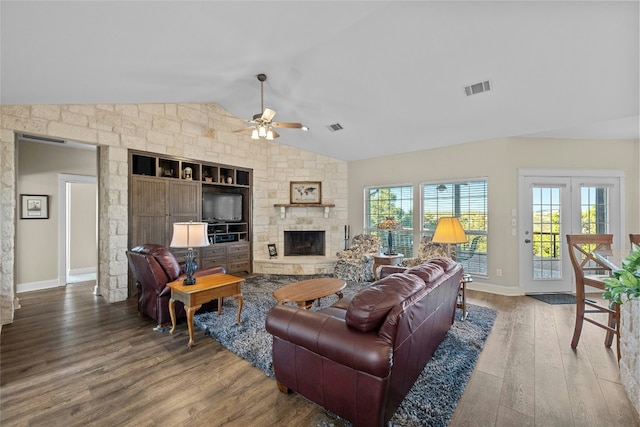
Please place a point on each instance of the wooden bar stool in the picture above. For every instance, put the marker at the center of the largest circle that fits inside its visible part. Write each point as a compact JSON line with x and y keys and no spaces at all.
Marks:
{"x":581,"y":248}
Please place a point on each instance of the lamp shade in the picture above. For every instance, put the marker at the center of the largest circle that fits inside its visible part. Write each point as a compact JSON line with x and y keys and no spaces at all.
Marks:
{"x":189,"y":235}
{"x":449,"y":230}
{"x":390,"y":224}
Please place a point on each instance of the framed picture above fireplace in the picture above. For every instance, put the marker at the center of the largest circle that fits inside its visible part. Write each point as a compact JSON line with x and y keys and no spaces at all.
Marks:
{"x":304,"y":192}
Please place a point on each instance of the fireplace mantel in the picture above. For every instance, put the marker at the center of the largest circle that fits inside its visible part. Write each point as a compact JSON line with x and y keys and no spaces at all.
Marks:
{"x":283,"y":207}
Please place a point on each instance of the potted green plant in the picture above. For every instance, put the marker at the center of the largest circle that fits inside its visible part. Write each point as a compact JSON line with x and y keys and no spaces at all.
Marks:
{"x":625,"y":281}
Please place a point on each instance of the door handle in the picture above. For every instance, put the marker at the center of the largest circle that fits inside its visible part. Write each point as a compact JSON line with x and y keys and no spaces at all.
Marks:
{"x":527,"y":241}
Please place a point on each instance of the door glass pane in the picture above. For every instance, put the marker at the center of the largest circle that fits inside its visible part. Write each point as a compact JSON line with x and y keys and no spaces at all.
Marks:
{"x":546,"y":237}
{"x":594,"y":210}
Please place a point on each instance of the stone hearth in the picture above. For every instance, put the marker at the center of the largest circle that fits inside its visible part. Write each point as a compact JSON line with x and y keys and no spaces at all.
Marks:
{"x":295,"y":265}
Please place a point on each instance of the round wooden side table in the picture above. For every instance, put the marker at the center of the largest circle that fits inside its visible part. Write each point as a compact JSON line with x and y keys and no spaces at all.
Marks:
{"x":382,"y":259}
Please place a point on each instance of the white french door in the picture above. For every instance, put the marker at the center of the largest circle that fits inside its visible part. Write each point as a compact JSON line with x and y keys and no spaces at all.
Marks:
{"x":552,"y":206}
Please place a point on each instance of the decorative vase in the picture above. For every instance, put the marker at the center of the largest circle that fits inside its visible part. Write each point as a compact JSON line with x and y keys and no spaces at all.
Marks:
{"x":187,"y":174}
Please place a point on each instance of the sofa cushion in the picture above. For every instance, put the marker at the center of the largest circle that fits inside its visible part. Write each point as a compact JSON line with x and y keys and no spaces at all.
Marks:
{"x":428,"y":271}
{"x":446,"y":263}
{"x":370,"y":306}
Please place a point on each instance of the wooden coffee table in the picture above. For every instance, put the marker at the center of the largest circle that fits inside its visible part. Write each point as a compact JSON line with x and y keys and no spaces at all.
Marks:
{"x":305,"y":292}
{"x":207,"y":288}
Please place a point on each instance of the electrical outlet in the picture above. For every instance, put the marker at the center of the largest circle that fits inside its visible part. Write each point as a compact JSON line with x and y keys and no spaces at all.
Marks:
{"x":499,"y":272}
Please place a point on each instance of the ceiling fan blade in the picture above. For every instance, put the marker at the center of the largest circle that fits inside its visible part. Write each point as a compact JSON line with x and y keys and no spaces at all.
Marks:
{"x":287,"y":125}
{"x":275,"y":134}
{"x":247,"y":129}
{"x":268,"y":114}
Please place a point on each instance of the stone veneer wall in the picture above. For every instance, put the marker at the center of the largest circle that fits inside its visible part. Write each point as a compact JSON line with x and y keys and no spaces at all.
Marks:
{"x":291,"y":165}
{"x":629,"y":345}
{"x":196,"y":131}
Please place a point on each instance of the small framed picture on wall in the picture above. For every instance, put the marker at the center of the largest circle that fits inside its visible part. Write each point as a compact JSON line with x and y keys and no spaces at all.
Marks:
{"x":273,"y":252}
{"x":34,"y":206}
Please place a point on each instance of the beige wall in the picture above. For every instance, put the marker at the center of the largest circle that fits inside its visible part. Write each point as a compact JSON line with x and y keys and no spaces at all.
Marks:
{"x":83,"y":245}
{"x":499,"y":160}
{"x":195,"y":131}
{"x":37,"y":240}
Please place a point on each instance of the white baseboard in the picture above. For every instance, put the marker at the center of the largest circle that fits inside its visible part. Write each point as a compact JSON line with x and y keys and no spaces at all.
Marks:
{"x":81,"y":271}
{"x":508,"y":291}
{"x":36,"y":286}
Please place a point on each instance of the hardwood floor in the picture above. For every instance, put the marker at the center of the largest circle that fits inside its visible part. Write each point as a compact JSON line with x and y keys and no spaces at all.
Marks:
{"x":71,"y":359}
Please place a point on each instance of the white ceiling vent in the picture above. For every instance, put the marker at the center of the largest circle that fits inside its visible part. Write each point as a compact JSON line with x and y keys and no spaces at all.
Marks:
{"x":335,"y":127}
{"x":477,"y":88}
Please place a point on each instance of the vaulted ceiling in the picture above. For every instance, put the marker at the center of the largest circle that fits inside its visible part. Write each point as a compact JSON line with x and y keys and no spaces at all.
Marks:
{"x":391,"y":73}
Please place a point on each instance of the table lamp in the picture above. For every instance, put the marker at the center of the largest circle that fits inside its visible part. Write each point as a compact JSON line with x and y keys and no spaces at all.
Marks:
{"x":449,"y":231}
{"x":189,"y":235}
{"x":390,"y":224}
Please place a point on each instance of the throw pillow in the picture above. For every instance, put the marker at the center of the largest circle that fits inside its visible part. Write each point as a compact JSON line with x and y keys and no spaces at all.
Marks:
{"x":446,"y":263}
{"x":370,"y":306}
{"x":428,"y":271}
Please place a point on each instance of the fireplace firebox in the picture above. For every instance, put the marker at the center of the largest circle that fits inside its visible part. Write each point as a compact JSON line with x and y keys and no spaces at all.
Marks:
{"x":304,"y":243}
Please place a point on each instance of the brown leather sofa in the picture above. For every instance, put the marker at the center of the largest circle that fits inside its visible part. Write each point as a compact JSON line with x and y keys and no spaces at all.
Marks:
{"x":153,"y":266}
{"x":359,"y":357}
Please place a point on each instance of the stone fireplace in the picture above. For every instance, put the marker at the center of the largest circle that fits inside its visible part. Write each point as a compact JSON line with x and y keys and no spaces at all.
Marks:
{"x":304,"y":243}
{"x":307,"y":237}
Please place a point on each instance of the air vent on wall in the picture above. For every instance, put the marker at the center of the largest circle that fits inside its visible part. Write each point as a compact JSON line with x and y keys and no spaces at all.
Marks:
{"x":477,"y":88}
{"x":41,"y":139}
{"x":335,"y":127}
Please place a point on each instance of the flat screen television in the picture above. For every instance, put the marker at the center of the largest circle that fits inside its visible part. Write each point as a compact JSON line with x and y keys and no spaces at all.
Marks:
{"x":221,"y":207}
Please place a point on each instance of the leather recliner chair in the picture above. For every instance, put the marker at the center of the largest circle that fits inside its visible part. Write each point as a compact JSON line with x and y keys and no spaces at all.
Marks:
{"x":153,"y":266}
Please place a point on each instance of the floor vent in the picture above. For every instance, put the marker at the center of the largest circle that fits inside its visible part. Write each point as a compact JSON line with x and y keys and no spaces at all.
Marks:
{"x":477,"y":88}
{"x":335,"y":127}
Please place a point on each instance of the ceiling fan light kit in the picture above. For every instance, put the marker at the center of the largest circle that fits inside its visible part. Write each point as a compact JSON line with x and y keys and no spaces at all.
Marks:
{"x":263,"y":124}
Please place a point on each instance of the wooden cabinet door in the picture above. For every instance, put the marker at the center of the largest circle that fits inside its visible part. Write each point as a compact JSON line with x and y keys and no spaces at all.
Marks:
{"x":185,"y":202}
{"x":156,"y":203}
{"x":148,"y":211}
{"x":184,"y":205}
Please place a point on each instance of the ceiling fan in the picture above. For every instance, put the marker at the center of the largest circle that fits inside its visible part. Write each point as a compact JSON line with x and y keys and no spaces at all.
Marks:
{"x":262,"y":122}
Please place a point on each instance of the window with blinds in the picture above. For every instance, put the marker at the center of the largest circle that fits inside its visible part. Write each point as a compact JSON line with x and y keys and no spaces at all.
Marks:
{"x":466,"y":200}
{"x":391,"y":202}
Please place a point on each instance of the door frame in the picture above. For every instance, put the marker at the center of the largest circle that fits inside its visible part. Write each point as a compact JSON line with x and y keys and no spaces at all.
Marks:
{"x":63,"y":215}
{"x":575,"y":174}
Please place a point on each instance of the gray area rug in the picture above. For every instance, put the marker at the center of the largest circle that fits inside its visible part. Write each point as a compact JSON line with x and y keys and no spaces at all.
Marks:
{"x":433,"y":398}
